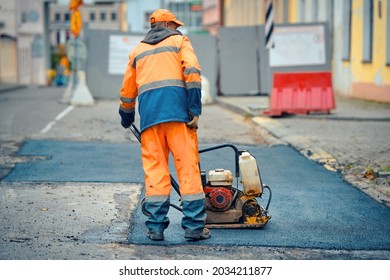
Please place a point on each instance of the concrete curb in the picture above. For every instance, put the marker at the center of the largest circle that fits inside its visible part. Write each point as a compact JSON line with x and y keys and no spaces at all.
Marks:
{"x":7,"y":88}
{"x":343,"y":118}
{"x":255,"y":110}
{"x":299,"y":143}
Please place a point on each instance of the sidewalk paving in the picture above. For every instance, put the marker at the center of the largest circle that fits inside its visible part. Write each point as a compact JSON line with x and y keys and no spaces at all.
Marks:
{"x":352,"y":139}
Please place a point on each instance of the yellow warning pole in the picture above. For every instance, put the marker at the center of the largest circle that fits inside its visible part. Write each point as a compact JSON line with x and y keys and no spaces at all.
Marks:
{"x":76,"y":23}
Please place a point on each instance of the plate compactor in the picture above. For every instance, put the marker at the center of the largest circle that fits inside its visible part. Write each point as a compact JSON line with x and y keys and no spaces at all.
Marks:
{"x":229,"y":206}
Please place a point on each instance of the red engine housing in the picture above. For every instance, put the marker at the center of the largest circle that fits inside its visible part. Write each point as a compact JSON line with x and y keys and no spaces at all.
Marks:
{"x":218,"y":198}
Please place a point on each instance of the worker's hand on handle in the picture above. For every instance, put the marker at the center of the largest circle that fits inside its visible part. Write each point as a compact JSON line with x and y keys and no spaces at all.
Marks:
{"x":194,"y":122}
{"x":126,"y":118}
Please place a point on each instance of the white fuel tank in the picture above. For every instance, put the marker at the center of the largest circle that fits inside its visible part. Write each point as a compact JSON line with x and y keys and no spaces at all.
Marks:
{"x":250,"y":177}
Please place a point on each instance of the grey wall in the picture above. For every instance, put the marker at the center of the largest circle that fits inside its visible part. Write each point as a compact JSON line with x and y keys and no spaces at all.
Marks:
{"x":100,"y":83}
{"x":205,"y":47}
{"x":105,"y":85}
{"x":244,"y":61}
{"x":238,"y":60}
{"x":264,"y":69}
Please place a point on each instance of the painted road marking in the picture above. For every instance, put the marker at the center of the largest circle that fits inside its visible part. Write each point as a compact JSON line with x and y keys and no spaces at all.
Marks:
{"x":59,"y":117}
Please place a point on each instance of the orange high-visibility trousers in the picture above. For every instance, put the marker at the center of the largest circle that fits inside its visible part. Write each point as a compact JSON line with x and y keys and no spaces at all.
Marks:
{"x":156,"y":142}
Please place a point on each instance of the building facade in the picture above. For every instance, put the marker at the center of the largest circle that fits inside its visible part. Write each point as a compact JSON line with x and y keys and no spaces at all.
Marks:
{"x":188,"y":11}
{"x":29,"y":30}
{"x":360,"y":43}
{"x":8,"y":43}
{"x":212,"y":16}
{"x":22,"y":46}
{"x":217,"y":13}
{"x":359,"y":36}
{"x":100,"y":15}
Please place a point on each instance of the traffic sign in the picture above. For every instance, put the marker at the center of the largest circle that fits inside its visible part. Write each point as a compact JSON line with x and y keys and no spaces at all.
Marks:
{"x":76,"y":23}
{"x":74,"y":4}
{"x":76,"y":51}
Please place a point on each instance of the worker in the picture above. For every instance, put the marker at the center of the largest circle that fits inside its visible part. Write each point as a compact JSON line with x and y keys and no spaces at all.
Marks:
{"x":164,"y":76}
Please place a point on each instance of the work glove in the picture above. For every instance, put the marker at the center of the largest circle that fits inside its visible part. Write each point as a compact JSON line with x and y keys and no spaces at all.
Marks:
{"x":126,"y":118}
{"x":194,"y":122}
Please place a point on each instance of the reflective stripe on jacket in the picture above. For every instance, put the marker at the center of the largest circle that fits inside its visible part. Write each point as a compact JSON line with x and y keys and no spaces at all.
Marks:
{"x":164,"y":73}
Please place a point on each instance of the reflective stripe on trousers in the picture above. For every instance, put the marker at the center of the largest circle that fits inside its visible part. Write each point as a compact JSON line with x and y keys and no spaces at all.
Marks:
{"x":157,"y":141}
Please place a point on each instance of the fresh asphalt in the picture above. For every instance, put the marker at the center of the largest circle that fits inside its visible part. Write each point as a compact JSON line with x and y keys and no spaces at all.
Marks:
{"x":311,"y":207}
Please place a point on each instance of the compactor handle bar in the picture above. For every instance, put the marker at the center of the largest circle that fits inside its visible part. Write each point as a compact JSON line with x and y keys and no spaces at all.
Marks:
{"x":136,"y":132}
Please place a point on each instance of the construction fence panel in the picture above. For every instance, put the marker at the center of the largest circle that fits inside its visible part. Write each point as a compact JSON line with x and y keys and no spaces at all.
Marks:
{"x":238,"y":61}
{"x":205,"y":47}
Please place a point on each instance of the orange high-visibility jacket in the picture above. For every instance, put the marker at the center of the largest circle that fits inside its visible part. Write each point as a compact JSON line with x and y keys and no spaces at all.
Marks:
{"x":164,"y":73}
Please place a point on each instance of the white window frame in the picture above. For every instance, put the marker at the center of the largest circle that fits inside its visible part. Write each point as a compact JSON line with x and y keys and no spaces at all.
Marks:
{"x":368,"y":27}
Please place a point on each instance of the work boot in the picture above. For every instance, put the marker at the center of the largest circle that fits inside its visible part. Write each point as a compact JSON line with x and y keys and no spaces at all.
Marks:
{"x":194,"y":236}
{"x":155,"y":236}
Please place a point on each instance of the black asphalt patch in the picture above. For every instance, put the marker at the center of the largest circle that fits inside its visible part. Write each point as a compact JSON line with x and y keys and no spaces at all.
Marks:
{"x":79,"y":162}
{"x":310,"y":208}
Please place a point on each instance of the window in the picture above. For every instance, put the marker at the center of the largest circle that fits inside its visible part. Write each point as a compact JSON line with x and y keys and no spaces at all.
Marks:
{"x":315,"y":11}
{"x":329,"y":19}
{"x":113,"y":16}
{"x":388,"y":36}
{"x":147,"y":19}
{"x":103,"y":16}
{"x":191,"y":18}
{"x":67,"y":17}
{"x":24,"y":17}
{"x":346,"y":32}
{"x":367,"y":30}
{"x":92,"y":16}
{"x":301,"y":11}
{"x":285,"y":11}
{"x":58,"y":36}
{"x":329,"y":15}
{"x":181,"y":10}
{"x":57,"y":17}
